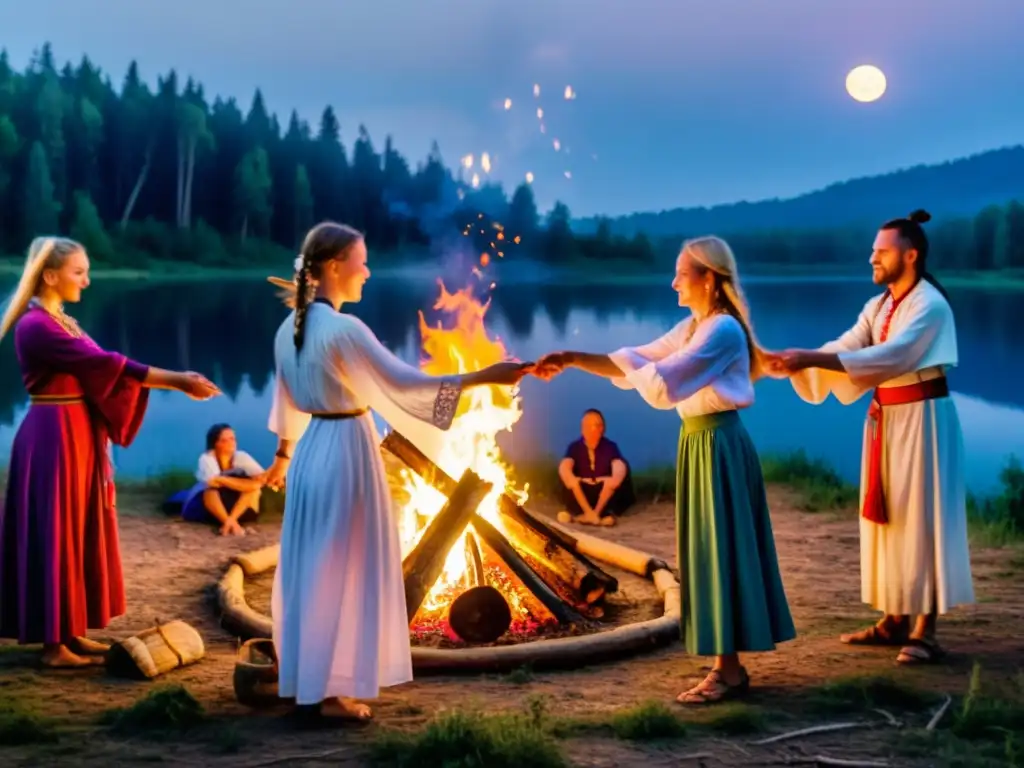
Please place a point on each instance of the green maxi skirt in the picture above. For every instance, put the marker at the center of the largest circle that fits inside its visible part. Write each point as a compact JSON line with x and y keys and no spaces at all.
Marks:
{"x":732,"y":593}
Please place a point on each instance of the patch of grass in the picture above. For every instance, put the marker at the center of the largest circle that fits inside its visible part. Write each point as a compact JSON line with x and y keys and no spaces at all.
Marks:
{"x":650,"y":721}
{"x":983,"y":716}
{"x":855,"y":694}
{"x":819,"y":485}
{"x":164,"y":710}
{"x":458,"y":739}
{"x":734,"y":719}
{"x":20,"y":725}
{"x":999,"y":520}
{"x":520,"y":675}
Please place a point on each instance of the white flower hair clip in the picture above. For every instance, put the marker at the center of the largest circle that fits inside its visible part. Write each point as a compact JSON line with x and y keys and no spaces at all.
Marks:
{"x":298,"y":263}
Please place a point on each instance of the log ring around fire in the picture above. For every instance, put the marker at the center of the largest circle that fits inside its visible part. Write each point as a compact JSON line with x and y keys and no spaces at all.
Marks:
{"x":555,"y":653}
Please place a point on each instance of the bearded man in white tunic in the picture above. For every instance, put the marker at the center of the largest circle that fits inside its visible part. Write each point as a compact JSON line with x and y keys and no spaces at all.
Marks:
{"x":915,"y":558}
{"x":338,"y":602}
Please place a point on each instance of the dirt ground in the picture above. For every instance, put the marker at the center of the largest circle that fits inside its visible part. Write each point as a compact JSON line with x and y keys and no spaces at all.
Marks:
{"x":170,"y":567}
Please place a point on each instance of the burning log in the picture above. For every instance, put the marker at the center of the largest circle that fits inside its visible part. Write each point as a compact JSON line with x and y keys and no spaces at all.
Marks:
{"x":562,"y":612}
{"x":422,"y":567}
{"x":552,"y":553}
{"x":480,"y":614}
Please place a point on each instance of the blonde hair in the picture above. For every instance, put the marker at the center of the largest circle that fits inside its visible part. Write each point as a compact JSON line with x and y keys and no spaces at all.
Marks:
{"x":713,"y":254}
{"x":44,"y":253}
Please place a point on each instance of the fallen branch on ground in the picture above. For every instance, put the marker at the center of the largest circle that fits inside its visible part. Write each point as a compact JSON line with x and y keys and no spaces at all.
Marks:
{"x":303,"y":758}
{"x":888,"y":716}
{"x":834,"y":761}
{"x":938,"y":715}
{"x":810,"y":731}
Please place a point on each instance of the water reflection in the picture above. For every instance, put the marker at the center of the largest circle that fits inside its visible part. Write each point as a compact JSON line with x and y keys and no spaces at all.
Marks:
{"x":224,"y":329}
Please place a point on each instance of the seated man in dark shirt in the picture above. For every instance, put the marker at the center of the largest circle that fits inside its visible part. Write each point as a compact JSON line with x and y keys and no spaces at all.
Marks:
{"x":596,"y":482}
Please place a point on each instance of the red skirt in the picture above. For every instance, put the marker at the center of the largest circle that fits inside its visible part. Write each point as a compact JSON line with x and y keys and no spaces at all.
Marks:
{"x":60,"y":559}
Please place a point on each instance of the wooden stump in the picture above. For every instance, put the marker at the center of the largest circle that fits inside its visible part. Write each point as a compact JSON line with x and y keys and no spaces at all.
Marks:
{"x":480,"y":614}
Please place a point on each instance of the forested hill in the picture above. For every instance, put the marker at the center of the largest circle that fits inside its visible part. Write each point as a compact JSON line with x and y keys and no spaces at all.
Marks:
{"x":957,"y":188}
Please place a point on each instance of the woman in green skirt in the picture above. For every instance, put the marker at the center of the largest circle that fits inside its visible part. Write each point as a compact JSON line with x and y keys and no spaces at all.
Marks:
{"x":704,"y":368}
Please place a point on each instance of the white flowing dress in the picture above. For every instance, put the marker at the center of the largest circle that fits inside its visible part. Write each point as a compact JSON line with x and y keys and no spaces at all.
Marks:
{"x":338,"y":602}
{"x":918,"y":562}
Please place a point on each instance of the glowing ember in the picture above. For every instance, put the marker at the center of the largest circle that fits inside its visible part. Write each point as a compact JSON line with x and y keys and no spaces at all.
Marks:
{"x":568,"y":174}
{"x":529,"y":177}
{"x":570,"y":94}
{"x":467,"y":162}
{"x":508,"y":103}
{"x":469,"y":444}
{"x":536,"y":89}
{"x":540,"y":113}
{"x":475,"y":181}
{"x":556,"y":144}
{"x":485,"y":162}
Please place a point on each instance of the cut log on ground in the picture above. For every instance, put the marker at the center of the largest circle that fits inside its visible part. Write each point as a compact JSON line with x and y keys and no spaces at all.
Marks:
{"x":564,"y":568}
{"x":555,"y":653}
{"x":480,"y":614}
{"x":563,"y":613}
{"x":424,"y":564}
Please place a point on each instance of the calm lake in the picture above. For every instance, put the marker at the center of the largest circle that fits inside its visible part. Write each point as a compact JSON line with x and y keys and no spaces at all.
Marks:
{"x":224,"y":329}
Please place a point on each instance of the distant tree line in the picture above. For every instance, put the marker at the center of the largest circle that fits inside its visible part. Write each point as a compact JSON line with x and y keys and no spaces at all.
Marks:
{"x":141,"y":174}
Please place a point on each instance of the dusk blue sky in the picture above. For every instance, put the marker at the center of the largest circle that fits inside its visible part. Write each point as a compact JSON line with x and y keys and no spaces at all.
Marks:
{"x":683,"y":102}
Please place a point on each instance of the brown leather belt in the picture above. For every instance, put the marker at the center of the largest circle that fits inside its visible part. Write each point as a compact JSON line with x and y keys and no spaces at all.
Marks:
{"x":340,"y":415}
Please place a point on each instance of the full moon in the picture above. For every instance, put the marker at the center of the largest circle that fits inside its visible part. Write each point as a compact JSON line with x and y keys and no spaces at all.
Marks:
{"x":865,"y":83}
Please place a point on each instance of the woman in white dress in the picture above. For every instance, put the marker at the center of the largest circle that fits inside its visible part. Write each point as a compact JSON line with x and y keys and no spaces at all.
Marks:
{"x":338,"y":603}
{"x":733,"y":600}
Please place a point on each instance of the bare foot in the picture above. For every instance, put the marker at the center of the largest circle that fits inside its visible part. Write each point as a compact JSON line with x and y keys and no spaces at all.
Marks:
{"x":607,"y":521}
{"x":588,"y":520}
{"x":346,"y":709}
{"x":87,"y":647}
{"x":62,"y":658}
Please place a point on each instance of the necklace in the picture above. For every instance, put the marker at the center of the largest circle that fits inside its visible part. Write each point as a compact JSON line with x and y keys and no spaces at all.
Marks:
{"x":64,"y":320}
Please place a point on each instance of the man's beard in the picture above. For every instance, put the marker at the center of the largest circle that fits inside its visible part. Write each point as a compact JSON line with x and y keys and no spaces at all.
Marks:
{"x":887,"y":277}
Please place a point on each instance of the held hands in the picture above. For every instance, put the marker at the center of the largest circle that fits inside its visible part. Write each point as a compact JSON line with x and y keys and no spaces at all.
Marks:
{"x":197,"y":386}
{"x":508,"y":373}
{"x":782,"y":365}
{"x":551,"y":364}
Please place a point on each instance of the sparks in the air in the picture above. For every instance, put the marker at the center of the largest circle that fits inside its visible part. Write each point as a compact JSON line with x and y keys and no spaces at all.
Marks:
{"x":556,"y":144}
{"x":540,"y":113}
{"x":467,"y":162}
{"x":536,"y":89}
{"x":476,"y":180}
{"x":570,"y":94}
{"x":508,"y":103}
{"x":529,"y":177}
{"x":568,"y":174}
{"x":485,"y":162}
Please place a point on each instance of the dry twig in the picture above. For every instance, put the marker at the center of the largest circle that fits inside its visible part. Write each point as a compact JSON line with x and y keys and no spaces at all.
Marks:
{"x":308,"y":756}
{"x":888,"y":716}
{"x":938,"y":715}
{"x":810,"y":731}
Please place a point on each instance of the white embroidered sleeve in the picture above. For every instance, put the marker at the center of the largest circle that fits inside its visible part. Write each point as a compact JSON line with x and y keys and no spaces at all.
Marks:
{"x":904,"y":351}
{"x":389,"y":385}
{"x":814,"y":384}
{"x":717,"y":345}
{"x":631,"y":358}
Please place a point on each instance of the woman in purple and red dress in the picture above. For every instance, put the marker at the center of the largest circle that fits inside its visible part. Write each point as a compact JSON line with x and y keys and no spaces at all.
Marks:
{"x":60,"y":563}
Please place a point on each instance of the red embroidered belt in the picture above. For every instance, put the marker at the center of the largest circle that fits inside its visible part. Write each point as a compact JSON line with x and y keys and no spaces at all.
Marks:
{"x":932,"y":389}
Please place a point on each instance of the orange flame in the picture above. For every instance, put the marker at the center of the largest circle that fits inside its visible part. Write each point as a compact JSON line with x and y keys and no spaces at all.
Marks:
{"x":470,"y":442}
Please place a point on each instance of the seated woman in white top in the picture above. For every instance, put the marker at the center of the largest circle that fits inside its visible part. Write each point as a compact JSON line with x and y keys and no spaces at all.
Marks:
{"x":732,"y":595}
{"x":228,"y":484}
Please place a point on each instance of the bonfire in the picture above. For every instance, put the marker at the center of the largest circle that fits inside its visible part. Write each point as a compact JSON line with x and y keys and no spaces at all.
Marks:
{"x":497,"y":546}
